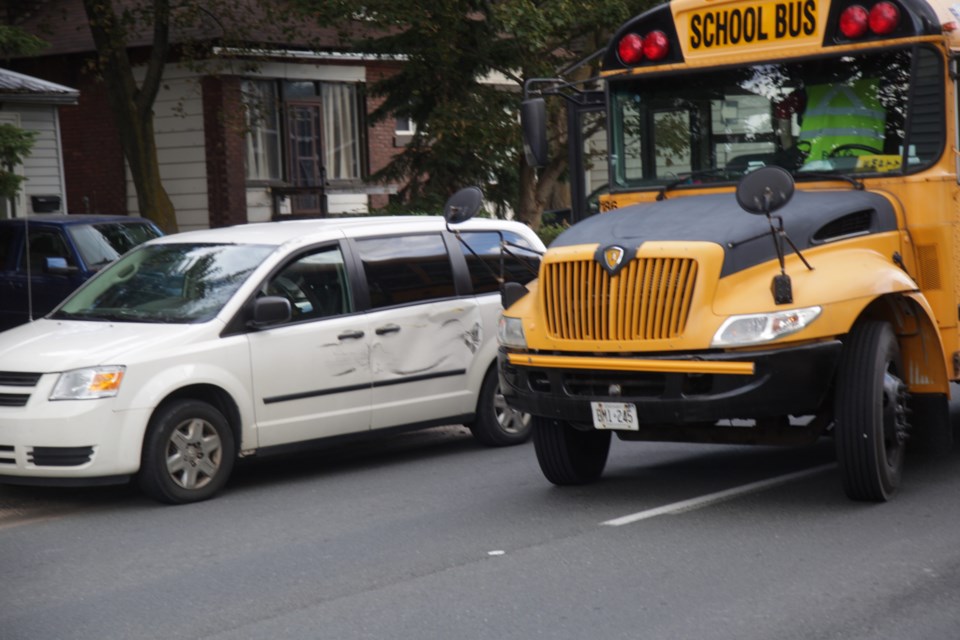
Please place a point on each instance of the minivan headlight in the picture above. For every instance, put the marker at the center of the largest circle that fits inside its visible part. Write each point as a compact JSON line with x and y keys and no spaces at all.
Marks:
{"x":763,"y":327}
{"x":510,"y":333}
{"x":88,"y":384}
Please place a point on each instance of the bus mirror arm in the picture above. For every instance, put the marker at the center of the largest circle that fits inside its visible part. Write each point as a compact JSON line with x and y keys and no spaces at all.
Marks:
{"x":762,"y":192}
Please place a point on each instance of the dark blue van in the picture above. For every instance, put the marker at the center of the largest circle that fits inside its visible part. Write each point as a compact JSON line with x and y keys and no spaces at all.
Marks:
{"x":62,"y":252}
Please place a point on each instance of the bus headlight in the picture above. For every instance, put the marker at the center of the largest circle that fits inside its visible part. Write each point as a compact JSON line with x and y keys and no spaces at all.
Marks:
{"x":762,"y":327}
{"x":510,"y":333}
{"x":88,"y":384}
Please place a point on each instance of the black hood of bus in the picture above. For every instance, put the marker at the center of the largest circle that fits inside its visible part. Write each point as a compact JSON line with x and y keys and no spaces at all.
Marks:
{"x":810,"y":219}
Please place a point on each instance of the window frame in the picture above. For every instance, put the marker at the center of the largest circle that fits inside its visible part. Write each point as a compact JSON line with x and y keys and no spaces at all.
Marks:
{"x":279,"y":136}
{"x":460,"y":278}
{"x":348,"y":281}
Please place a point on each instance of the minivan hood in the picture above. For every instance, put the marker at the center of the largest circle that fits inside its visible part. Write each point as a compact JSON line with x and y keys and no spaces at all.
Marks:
{"x":45,"y":346}
{"x":810,"y":218}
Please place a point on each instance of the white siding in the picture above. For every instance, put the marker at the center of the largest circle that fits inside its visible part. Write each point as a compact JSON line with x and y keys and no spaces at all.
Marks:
{"x":347,"y":203}
{"x":178,"y":126}
{"x":43,"y":168}
{"x":259,"y":207}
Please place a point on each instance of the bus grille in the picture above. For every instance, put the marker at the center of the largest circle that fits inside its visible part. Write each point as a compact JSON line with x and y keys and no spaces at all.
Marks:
{"x":648,"y":300}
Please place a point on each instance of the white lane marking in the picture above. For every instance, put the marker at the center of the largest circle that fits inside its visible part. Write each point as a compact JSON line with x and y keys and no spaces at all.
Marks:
{"x":713,"y":498}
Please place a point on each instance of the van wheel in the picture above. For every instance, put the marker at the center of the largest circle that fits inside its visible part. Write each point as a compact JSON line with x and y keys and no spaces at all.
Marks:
{"x":497,"y":424}
{"x":568,"y":456}
{"x":870,"y":411}
{"x":188,"y":453}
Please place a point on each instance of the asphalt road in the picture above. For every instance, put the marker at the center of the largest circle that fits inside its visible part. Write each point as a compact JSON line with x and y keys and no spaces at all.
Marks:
{"x":429,"y":535}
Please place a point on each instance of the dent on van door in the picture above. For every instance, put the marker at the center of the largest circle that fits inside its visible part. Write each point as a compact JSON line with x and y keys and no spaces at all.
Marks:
{"x":420,"y":369}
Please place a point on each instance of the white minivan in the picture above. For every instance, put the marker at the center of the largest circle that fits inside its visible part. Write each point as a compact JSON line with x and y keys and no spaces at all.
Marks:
{"x":198,"y":348}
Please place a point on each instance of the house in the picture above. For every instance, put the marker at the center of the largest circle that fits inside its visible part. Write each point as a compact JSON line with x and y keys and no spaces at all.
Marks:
{"x":33,"y":104}
{"x":305,"y":146}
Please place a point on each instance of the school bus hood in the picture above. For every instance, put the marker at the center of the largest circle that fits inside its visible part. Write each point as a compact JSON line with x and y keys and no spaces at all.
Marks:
{"x":810,"y":219}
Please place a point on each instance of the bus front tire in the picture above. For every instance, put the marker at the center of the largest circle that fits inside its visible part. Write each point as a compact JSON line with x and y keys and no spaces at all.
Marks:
{"x":870,"y":413}
{"x":568,"y":456}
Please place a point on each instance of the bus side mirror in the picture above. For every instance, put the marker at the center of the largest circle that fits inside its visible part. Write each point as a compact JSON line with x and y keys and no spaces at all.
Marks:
{"x":765,"y":190}
{"x":510,"y":292}
{"x":463,"y":205}
{"x":533,"y":121}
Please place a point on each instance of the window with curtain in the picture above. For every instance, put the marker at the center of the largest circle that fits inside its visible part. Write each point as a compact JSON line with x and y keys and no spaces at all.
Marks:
{"x":340,"y":132}
{"x":263,"y":130}
{"x":341,"y":124}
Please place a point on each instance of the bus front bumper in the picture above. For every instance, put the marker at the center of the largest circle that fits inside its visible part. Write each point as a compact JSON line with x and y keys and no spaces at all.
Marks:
{"x":693,"y":388}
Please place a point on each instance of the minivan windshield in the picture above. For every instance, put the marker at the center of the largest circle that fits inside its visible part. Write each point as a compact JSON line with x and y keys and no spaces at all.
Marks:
{"x":178,"y":283}
{"x":874,"y":113}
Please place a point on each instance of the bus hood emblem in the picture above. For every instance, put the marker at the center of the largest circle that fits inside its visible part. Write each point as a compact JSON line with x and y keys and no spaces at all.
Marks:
{"x":612,"y":258}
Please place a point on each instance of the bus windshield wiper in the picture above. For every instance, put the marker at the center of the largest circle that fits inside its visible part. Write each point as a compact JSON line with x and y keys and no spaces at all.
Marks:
{"x":724,"y":175}
{"x":823,"y":175}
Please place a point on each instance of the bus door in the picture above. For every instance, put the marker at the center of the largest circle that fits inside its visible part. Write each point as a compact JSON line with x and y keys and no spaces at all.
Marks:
{"x":589,"y":167}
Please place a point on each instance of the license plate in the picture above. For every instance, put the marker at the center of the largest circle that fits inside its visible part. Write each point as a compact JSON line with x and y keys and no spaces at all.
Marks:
{"x":615,"y":415}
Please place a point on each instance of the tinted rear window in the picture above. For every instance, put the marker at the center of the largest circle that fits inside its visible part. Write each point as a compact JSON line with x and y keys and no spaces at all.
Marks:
{"x":401,"y":270}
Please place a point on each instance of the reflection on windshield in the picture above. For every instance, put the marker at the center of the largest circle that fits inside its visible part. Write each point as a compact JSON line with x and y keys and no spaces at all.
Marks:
{"x":166,"y":283}
{"x":842,"y":115}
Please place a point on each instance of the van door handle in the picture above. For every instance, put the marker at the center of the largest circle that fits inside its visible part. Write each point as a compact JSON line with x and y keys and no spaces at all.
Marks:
{"x":350,"y":335}
{"x":388,"y":328}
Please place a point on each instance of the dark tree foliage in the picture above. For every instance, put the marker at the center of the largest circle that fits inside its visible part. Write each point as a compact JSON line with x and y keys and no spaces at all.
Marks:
{"x":464,"y":65}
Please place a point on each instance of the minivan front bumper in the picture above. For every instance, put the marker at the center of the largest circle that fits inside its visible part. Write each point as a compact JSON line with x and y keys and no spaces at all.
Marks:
{"x":71,"y":442}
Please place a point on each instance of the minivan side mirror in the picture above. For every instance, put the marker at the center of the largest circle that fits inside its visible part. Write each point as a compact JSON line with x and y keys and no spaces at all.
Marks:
{"x":269,"y":311}
{"x":533,"y":122}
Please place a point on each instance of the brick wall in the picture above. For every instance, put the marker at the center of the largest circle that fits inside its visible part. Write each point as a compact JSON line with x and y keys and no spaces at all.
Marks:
{"x":93,"y":164}
{"x":223,"y":124}
{"x":92,"y":156}
{"x":381,"y":136}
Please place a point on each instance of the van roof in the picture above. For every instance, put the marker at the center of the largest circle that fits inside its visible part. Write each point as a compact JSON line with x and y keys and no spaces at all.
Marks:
{"x":314,"y":230}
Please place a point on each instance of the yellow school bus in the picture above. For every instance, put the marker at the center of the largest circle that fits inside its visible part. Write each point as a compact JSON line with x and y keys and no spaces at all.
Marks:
{"x":776,"y":257}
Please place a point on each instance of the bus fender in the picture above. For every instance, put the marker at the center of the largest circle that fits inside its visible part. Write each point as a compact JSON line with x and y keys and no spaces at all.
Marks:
{"x":921,"y":346}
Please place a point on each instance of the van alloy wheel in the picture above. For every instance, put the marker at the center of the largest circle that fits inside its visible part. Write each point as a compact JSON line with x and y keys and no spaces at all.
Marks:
{"x":498,"y":424}
{"x":188,"y":452}
{"x":194,"y":454}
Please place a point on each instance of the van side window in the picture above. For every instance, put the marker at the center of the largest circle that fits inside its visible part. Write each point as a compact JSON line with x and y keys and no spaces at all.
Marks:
{"x":6,"y":245}
{"x":518,"y":265}
{"x":45,"y":243}
{"x":315,"y":284}
{"x":406,"y":269}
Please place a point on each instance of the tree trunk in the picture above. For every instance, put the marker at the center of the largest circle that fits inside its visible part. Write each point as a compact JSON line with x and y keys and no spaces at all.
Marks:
{"x":139,"y":145}
{"x":537,"y":190}
{"x":132,"y":106}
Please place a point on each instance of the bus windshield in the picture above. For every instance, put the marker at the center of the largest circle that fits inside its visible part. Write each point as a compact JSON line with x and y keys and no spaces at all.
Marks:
{"x":873,"y":113}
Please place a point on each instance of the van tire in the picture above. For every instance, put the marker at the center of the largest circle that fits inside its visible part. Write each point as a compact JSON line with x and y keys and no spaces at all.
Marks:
{"x":497,"y":424}
{"x":188,"y":453}
{"x":870,"y":413}
{"x":568,"y":456}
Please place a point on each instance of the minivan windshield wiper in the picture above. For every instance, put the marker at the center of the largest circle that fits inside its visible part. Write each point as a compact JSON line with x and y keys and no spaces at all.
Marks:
{"x":106,"y":315}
